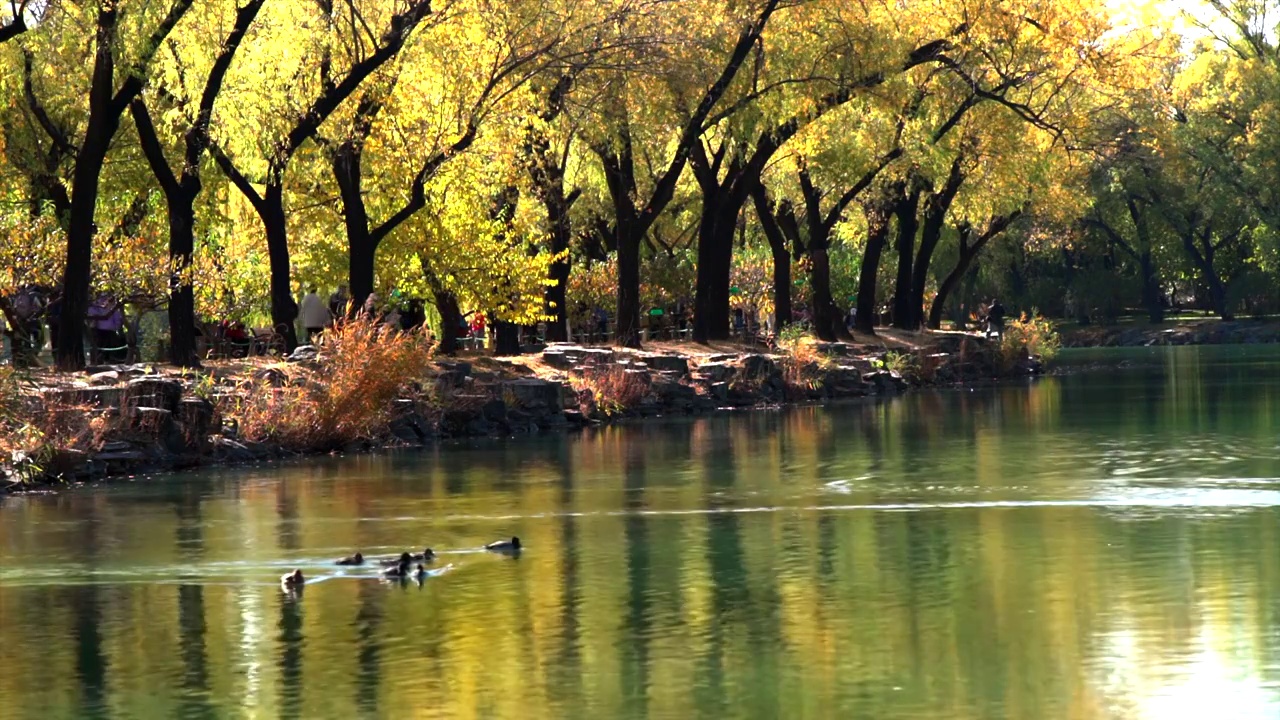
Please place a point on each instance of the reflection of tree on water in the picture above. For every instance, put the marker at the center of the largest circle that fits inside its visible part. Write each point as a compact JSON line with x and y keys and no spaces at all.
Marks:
{"x":86,"y":606}
{"x":191,"y":611}
{"x":635,"y":658}
{"x":565,"y":676}
{"x":291,"y":639}
{"x":368,"y":657}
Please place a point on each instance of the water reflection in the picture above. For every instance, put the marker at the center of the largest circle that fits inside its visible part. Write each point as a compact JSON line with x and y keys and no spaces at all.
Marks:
{"x":1087,"y":547}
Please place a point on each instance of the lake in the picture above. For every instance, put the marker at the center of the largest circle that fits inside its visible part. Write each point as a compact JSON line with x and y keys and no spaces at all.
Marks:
{"x":1097,"y":545}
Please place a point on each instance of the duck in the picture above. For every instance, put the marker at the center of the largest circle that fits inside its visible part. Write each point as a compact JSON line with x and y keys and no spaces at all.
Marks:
{"x":421,"y":573}
{"x":504,"y":546}
{"x":404,"y":559}
{"x":293,"y":579}
{"x":428,"y":555}
{"x":398,"y":572}
{"x":356,"y":559}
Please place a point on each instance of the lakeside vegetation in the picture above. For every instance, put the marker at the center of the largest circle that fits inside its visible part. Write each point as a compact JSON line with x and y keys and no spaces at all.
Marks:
{"x":540,"y":162}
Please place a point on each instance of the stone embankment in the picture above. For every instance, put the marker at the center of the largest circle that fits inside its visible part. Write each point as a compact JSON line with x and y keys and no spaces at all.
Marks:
{"x":155,"y":422}
{"x":1209,"y":332}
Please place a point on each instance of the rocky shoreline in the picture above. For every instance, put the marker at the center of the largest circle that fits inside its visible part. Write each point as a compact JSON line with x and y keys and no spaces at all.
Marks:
{"x":1206,"y":332}
{"x":163,"y":421}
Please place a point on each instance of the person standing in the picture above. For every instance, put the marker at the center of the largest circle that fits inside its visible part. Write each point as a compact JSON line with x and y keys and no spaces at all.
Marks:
{"x":315,"y":316}
{"x":338,"y":302}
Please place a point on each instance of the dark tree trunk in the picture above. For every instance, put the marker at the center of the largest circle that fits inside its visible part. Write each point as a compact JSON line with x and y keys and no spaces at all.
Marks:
{"x":904,"y":313}
{"x":1152,"y":298}
{"x":781,"y":258}
{"x":506,"y":338}
{"x":936,"y":208}
{"x":1204,"y":262}
{"x":877,"y":238}
{"x":828,"y":321}
{"x":450,"y":321}
{"x":361,"y":247}
{"x":557,"y":295}
{"x":182,"y":300}
{"x":283,"y":308}
{"x":627,"y":322}
{"x":76,"y":276}
{"x":965,"y":261}
{"x":715,"y":263}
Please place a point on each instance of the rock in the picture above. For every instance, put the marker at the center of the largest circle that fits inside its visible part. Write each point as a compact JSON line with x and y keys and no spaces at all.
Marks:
{"x":228,"y":449}
{"x":153,"y":391}
{"x":196,"y":416}
{"x":886,"y":382}
{"x":410,"y":427}
{"x":453,"y":423}
{"x":575,"y":417}
{"x":125,"y":456}
{"x":158,"y":424}
{"x":530,"y":393}
{"x":556,"y":358}
{"x":716,"y":372}
{"x":479,"y":427}
{"x":673,"y":393}
{"x":669,"y":363}
{"x":104,"y":377}
{"x":103,"y":396}
{"x":455,"y":366}
{"x":757,"y":366}
{"x":494,"y":411}
{"x":720,"y":391}
{"x":67,"y":463}
{"x":271,"y":375}
{"x":304,"y":353}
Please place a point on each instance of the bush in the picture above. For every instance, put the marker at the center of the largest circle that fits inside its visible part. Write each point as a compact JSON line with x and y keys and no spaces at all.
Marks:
{"x":613,"y":389}
{"x":1028,"y":335}
{"x":347,"y":395}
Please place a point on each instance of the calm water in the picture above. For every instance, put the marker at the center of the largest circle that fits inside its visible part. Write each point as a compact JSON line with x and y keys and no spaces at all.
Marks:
{"x":1094,"y":546}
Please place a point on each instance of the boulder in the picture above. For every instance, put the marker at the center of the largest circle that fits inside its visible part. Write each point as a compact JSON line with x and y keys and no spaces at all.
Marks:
{"x":454,"y":423}
{"x":494,"y":411}
{"x":716,"y":372}
{"x":676,"y":364}
{"x":531,"y":393}
{"x":196,"y":415}
{"x":719,"y":391}
{"x":158,"y":424}
{"x":104,"y":396}
{"x":304,"y":353}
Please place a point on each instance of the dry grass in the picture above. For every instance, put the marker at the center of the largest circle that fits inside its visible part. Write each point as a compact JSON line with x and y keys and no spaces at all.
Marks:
{"x":348,"y":395}
{"x":613,"y":389}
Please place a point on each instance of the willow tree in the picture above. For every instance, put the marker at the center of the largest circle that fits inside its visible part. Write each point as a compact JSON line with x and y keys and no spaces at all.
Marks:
{"x":125,"y":40}
{"x":634,"y":119}
{"x":182,"y":187}
{"x":293,"y":94}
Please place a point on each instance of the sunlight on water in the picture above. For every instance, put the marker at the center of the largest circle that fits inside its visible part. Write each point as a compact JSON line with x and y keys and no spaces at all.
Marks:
{"x":1092,"y":547}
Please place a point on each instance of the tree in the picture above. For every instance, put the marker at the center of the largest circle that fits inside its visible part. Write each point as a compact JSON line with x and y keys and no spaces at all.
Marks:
{"x":182,"y":188}
{"x":108,"y":99}
{"x":367,"y":54}
{"x":634,"y":215}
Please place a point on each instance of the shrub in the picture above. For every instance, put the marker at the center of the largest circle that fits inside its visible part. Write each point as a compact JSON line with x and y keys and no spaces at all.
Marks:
{"x":1030,"y":335}
{"x":614,"y":390}
{"x":347,"y":395}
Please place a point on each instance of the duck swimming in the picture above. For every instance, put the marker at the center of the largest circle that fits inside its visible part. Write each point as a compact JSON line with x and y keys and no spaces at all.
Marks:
{"x":398,"y":572}
{"x":427,"y":556}
{"x":504,"y":546}
{"x":293,"y":579}
{"x":404,"y":559}
{"x":356,"y":559}
{"x":420,"y":573}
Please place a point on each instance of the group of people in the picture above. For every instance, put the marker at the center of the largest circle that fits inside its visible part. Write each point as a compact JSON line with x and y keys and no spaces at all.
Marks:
{"x":27,"y":313}
{"x":315,"y":315}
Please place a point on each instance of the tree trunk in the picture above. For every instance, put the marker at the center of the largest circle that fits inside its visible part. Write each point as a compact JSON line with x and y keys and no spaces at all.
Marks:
{"x":781,"y":258}
{"x":1151,"y":295}
{"x":627,"y":323}
{"x":76,"y":277}
{"x":828,"y":321}
{"x":284,"y":310}
{"x":904,"y":314}
{"x":361,"y":247}
{"x":182,"y":301}
{"x":557,"y":295}
{"x":715,"y":261}
{"x":948,"y":285}
{"x":506,"y":338}
{"x":877,"y":236}
{"x":450,"y":321}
